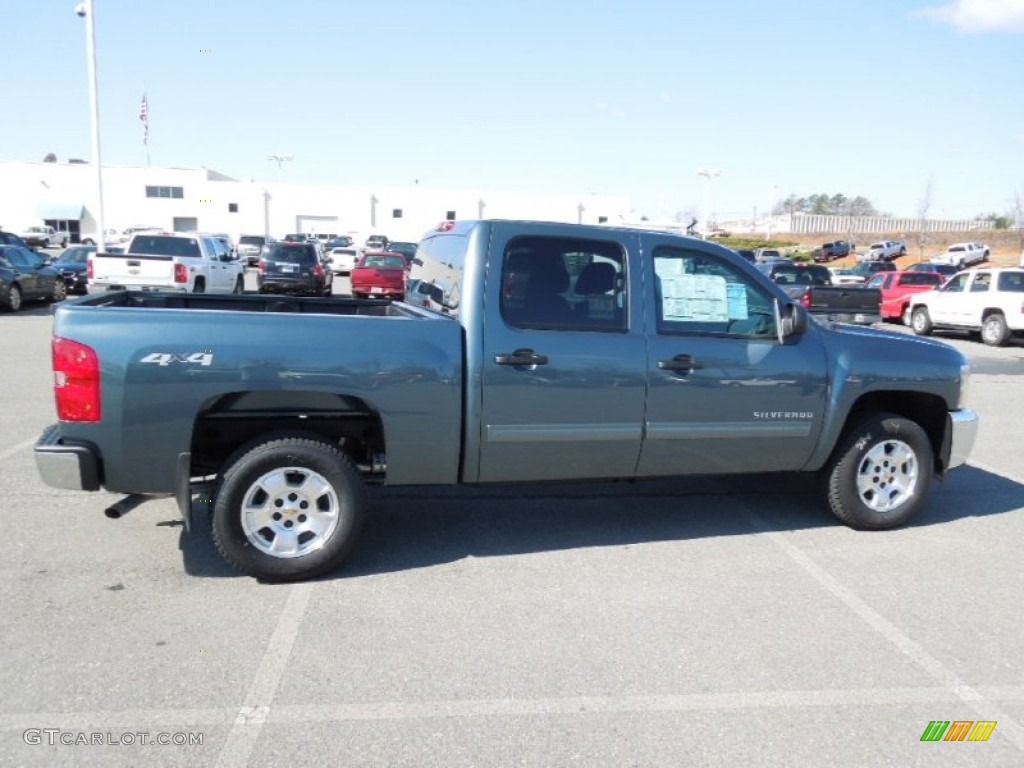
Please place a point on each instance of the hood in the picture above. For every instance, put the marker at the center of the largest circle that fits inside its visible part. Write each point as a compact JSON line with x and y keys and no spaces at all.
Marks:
{"x":896,"y":339}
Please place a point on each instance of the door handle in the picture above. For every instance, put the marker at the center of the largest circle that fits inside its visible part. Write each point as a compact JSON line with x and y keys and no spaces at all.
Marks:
{"x":680,"y":363}
{"x":521,"y":357}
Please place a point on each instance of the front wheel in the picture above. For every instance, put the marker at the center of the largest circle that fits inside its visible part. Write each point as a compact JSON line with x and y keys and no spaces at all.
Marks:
{"x":920,"y":322}
{"x":288,"y":508}
{"x":994,"y":330}
{"x":13,"y":298}
{"x":880,"y":474}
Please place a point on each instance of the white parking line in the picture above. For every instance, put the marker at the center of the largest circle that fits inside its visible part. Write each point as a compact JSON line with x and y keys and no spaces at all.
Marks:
{"x":8,"y":452}
{"x":827,"y":699}
{"x":253,"y":714}
{"x":913,"y":650}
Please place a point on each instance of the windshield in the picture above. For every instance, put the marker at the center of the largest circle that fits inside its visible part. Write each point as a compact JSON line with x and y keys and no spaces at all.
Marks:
{"x":248,"y":240}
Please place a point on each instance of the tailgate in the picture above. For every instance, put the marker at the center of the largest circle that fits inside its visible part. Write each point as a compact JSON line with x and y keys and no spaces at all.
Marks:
{"x":133,"y":269}
{"x":845,"y":299}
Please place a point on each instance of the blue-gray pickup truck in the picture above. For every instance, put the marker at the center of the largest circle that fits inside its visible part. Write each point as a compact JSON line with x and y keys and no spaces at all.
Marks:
{"x":535,"y":352}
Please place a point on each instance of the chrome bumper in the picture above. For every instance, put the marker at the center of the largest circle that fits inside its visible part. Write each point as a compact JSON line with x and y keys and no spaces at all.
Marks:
{"x":73,"y":466}
{"x":962,"y":429}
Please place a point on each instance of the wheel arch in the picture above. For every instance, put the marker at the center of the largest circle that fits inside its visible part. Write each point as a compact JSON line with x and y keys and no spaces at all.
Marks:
{"x":927,"y":410}
{"x":229,"y":421}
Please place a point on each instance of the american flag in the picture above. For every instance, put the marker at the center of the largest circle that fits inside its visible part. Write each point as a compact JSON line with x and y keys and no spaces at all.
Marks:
{"x":144,"y":117}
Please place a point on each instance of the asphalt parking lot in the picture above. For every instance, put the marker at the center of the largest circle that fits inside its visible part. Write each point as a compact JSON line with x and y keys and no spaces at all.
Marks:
{"x":670,"y":623}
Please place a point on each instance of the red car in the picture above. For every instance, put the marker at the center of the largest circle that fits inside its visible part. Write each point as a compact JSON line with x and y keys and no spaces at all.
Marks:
{"x":898,"y":287}
{"x":381,"y":274}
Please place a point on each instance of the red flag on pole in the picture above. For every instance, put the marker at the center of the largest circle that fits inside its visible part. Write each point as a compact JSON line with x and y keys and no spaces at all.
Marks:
{"x":144,"y":117}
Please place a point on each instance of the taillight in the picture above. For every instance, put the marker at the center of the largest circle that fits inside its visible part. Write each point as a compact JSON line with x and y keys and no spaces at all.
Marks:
{"x":76,"y":381}
{"x":806,"y":298}
{"x":88,"y":269}
{"x":318,"y":271}
{"x":180,"y":273}
{"x":262,"y":267}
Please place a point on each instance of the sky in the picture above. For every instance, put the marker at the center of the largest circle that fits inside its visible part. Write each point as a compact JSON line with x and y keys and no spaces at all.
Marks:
{"x":904,"y":102}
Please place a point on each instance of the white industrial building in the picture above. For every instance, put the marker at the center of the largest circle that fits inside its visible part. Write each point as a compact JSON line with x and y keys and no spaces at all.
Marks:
{"x":64,"y":195}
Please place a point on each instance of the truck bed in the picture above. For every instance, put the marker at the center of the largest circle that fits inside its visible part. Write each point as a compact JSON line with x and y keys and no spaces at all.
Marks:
{"x":253,"y":303}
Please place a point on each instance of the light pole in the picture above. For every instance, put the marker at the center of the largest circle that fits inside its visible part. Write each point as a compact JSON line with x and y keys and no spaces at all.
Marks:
{"x":85,"y":10}
{"x":771,"y":210}
{"x":707,"y":173}
{"x":280,"y":159}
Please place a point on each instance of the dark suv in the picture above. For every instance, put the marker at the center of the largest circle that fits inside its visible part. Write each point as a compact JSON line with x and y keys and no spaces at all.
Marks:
{"x":293,"y":268}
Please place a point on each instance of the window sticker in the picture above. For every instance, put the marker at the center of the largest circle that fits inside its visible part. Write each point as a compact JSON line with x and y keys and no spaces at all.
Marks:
{"x":700,"y":298}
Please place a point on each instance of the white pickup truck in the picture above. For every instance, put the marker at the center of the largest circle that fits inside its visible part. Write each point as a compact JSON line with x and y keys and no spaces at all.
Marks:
{"x":44,"y":237}
{"x":169,"y":261}
{"x":961,"y":255}
{"x":989,"y":301}
{"x":884,"y":250}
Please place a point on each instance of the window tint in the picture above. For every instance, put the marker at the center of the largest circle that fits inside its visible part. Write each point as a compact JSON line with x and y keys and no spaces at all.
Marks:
{"x":920,"y":278}
{"x":982,"y":282}
{"x":158,"y":245}
{"x":292,"y":253}
{"x":956,"y":284}
{"x":701,"y":293}
{"x":1011,"y":281}
{"x":567,"y":283}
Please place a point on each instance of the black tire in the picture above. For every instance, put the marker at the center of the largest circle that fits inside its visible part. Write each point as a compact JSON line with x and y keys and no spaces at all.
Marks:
{"x":961,"y":265}
{"x":994,"y":330}
{"x":239,"y":286}
{"x":12,"y":301}
{"x":905,"y":316}
{"x":88,"y":241}
{"x":337,"y":497}
{"x":920,"y":322}
{"x":879,"y":475}
{"x":60,"y":290}
{"x":199,"y":286}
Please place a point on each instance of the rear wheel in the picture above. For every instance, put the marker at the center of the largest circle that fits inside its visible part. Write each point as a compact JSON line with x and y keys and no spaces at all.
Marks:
{"x":60,"y":290}
{"x":994,"y":330}
{"x":200,"y":286}
{"x":239,"y":286}
{"x":287,"y":508}
{"x":906,"y":316}
{"x":880,"y":474}
{"x":921,"y":322}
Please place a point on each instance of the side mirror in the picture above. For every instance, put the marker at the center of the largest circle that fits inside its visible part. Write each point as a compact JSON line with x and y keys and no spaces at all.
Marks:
{"x":790,"y":319}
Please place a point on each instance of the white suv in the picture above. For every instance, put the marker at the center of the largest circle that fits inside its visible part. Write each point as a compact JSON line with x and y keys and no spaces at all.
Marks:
{"x":987,"y":300}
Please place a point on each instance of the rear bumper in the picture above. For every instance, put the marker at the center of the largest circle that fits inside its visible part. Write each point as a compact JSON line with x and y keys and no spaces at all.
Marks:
{"x":857,"y":318}
{"x":961,"y":431}
{"x":276,"y":284}
{"x":74,"y":466}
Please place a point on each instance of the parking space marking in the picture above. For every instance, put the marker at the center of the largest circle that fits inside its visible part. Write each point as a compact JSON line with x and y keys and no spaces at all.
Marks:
{"x":8,"y":452}
{"x":250,"y":718}
{"x":913,"y":650}
{"x":254,"y":718}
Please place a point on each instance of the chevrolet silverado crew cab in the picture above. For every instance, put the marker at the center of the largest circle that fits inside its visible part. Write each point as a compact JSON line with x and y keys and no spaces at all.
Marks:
{"x":551,"y":352}
{"x":169,"y":261}
{"x":986,"y":301}
{"x":963,"y":255}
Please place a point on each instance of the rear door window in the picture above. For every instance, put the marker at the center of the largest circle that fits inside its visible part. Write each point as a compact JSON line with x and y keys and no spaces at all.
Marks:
{"x":564,"y":283}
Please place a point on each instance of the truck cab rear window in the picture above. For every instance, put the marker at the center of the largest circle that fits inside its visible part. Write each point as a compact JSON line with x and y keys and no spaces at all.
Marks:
{"x":564,"y":283}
